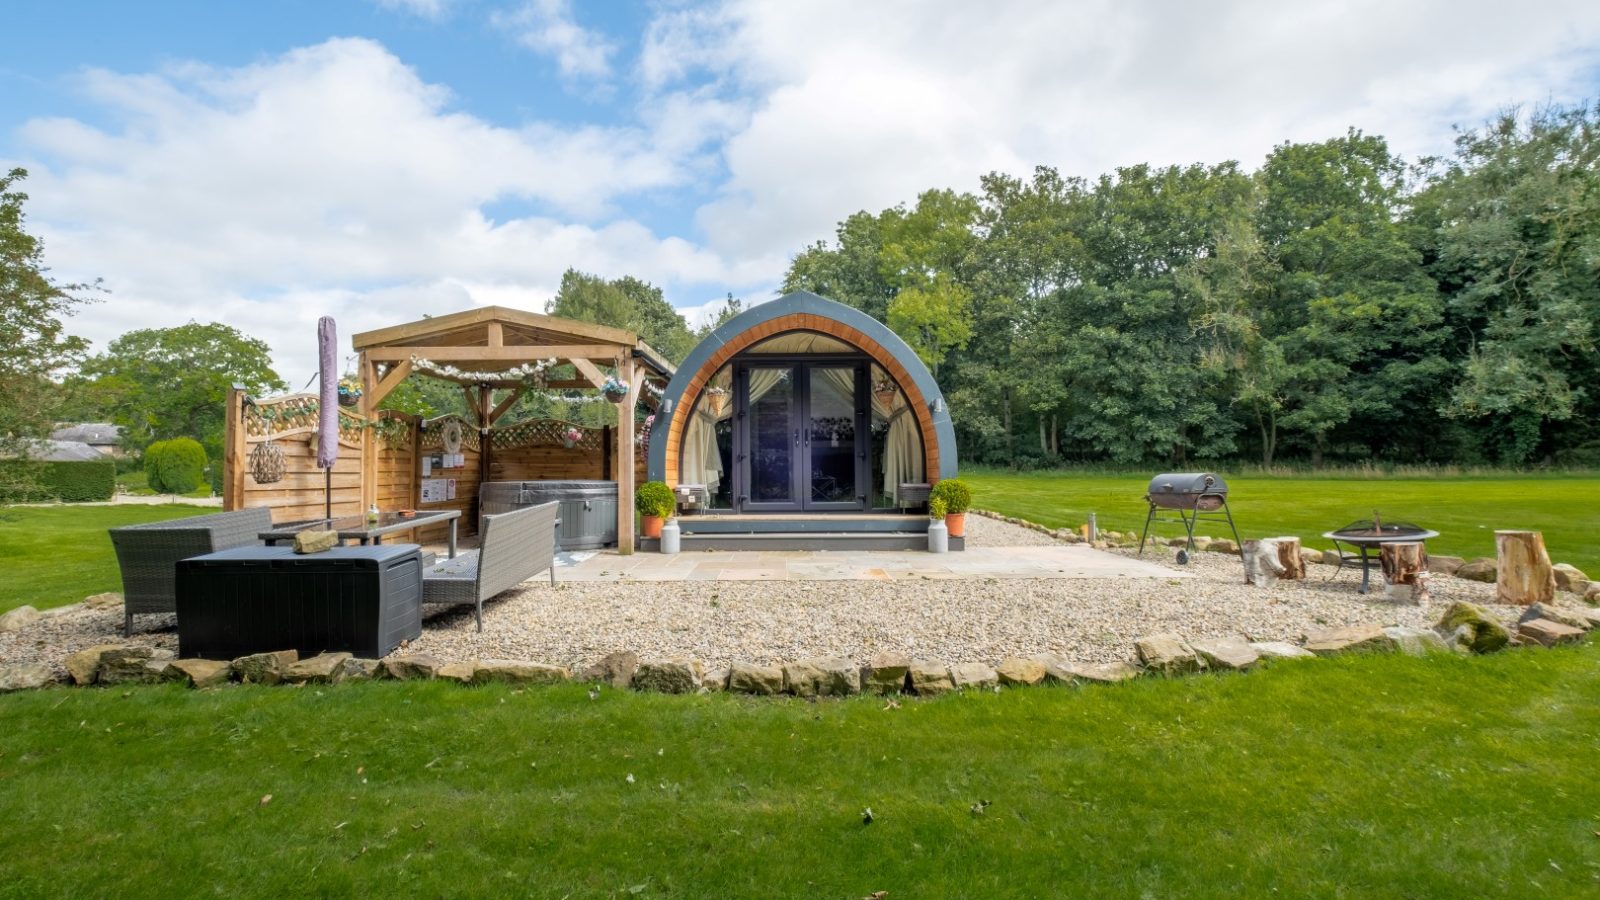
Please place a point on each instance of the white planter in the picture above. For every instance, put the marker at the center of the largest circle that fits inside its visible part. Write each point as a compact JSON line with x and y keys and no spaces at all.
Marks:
{"x":669,"y":537}
{"x":938,"y":538}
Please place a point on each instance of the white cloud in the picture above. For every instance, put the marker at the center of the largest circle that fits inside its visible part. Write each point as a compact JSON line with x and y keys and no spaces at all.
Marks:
{"x":862,"y":105}
{"x":548,"y":27}
{"x":427,"y":9}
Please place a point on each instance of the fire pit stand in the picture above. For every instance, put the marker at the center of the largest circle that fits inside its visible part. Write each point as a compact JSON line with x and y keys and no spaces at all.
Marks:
{"x":1365,"y":537}
{"x":1195,"y":497}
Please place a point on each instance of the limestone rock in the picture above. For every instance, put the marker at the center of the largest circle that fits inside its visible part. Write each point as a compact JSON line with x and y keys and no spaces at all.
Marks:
{"x":462,"y":672}
{"x":199,"y":672}
{"x":676,"y":675}
{"x":319,"y":668}
{"x":1592,"y":595}
{"x":885,"y":673}
{"x":1330,"y":557}
{"x":18,"y":619}
{"x":84,"y":665}
{"x":1014,"y":670}
{"x":821,"y":676}
{"x":1445,"y":565}
{"x":1575,"y":617}
{"x":358,"y":669}
{"x":315,"y":540}
{"x":1483,"y":569}
{"x":1223,"y":545}
{"x":1227,"y":653}
{"x":715,"y":680}
{"x":107,"y":600}
{"x":973,"y":675}
{"x":1416,"y":641}
{"x":1548,"y":633}
{"x":1202,"y":542}
{"x":24,"y":677}
{"x":1310,"y":558}
{"x":264,"y":668}
{"x":1167,"y":654}
{"x":616,"y":669}
{"x":1056,"y":668}
{"x":929,"y":678}
{"x":749,"y":678}
{"x":131,"y":665}
{"x":1352,"y":639}
{"x":1280,"y":650}
{"x":518,"y":672}
{"x":1568,"y":578}
{"x":1488,"y":635}
{"x":412,"y":665}
{"x":1107,"y":673}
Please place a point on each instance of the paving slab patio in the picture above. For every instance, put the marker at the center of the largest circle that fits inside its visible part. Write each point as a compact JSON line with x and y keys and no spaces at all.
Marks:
{"x":1061,"y":561}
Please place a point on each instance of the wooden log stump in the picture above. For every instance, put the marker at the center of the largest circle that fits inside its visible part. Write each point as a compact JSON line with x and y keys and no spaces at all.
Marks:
{"x":1524,"y":574}
{"x":1405,"y":569}
{"x":1262,"y":567}
{"x":1289,"y":556}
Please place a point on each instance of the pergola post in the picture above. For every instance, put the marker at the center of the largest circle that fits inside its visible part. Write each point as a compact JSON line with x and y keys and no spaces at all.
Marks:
{"x":369,"y":443}
{"x":626,"y":465}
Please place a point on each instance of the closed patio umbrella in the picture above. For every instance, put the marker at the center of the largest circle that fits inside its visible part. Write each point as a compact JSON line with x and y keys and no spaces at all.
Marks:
{"x":327,"y":408}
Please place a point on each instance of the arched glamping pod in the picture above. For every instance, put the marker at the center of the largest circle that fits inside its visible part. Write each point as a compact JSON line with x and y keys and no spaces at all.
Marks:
{"x":802,"y":423}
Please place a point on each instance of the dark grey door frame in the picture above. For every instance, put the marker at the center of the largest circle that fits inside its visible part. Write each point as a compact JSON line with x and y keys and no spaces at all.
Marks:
{"x":800,"y":468}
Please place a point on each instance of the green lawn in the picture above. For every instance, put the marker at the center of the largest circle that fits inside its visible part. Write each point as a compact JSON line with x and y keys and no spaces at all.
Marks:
{"x":1464,"y":510}
{"x":1378,"y":776}
{"x":137,"y":482}
{"x":55,"y":555}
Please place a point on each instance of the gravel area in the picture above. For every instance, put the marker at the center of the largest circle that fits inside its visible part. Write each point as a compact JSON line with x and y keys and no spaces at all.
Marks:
{"x":976,"y":620}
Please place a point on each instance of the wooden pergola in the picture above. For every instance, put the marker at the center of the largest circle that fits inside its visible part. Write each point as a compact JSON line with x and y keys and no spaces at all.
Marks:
{"x":492,"y":342}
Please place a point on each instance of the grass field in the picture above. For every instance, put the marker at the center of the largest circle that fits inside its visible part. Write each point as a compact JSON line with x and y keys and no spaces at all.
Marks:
{"x":137,"y":482}
{"x":1465,"y":510}
{"x":1357,"y":777}
{"x":57,"y":555}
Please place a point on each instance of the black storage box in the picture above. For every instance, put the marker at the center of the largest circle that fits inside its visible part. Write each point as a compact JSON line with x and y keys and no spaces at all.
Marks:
{"x":363,"y":600}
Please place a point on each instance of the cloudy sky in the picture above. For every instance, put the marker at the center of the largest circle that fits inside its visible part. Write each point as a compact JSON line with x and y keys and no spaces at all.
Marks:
{"x":263,"y":164}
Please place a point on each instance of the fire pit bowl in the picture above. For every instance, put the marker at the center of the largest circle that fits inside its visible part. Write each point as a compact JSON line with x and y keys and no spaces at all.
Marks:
{"x":1367,"y":534}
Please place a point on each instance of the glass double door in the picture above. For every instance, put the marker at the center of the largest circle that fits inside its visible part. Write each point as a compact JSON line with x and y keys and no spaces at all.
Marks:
{"x":801,"y":436}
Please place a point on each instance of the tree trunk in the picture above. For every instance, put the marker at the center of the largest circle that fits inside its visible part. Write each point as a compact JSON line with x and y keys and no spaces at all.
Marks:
{"x":1294,"y":566}
{"x":1269,"y":437}
{"x":1525,"y":575}
{"x":1044,"y":439}
{"x":1405,"y":569}
{"x":1055,"y":435}
{"x":1316,"y":451}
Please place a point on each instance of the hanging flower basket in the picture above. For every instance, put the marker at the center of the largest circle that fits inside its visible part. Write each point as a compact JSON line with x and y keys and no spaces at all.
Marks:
{"x":349,"y":392}
{"x":716,"y":398}
{"x":614,"y":390}
{"x":267,"y":463}
{"x":885,"y":390}
{"x":571,"y":438}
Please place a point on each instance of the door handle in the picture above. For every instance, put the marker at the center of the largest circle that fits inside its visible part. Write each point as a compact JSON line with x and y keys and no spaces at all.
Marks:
{"x":797,"y":437}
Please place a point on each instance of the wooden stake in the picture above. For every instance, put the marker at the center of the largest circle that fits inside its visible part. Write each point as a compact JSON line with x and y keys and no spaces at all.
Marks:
{"x":1525,"y":575}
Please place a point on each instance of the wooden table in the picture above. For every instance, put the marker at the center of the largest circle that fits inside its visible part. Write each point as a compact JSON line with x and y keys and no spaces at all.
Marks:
{"x":357,"y":528}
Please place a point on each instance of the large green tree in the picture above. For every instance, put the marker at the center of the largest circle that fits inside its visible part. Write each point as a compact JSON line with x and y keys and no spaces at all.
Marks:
{"x":35,"y":347}
{"x":628,"y":303}
{"x":164,"y":383}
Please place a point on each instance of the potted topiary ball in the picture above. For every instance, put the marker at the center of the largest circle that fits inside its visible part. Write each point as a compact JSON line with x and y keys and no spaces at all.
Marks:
{"x":957,"y":499}
{"x":654,"y":502}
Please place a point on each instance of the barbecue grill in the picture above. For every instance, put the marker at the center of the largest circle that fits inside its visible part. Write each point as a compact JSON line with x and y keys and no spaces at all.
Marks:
{"x":1195,"y":497}
{"x":1368,"y":534}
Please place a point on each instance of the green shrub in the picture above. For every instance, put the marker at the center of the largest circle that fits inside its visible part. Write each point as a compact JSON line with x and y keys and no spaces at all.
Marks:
{"x":954,"y":492}
{"x":77,"y":481}
{"x":936,"y":508}
{"x":177,"y":466}
{"x":654,"y":498}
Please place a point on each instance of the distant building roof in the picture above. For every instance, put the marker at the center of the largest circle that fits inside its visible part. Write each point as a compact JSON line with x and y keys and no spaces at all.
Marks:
{"x":97,"y":434}
{"x":63,"y":451}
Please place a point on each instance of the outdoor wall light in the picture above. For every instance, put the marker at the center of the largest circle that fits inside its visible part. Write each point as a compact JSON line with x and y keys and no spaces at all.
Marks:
{"x":666,"y":406}
{"x":937,"y":405}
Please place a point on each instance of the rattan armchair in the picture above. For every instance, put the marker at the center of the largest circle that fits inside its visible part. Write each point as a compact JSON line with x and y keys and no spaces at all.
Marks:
{"x":148,"y":554}
{"x":512,"y":548}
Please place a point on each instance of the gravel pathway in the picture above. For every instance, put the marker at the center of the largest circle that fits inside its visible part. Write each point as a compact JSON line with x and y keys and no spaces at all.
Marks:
{"x":976,"y":620}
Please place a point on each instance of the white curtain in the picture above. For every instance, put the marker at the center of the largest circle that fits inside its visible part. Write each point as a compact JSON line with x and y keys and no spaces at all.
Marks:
{"x":702,"y":458}
{"x":902,"y":463}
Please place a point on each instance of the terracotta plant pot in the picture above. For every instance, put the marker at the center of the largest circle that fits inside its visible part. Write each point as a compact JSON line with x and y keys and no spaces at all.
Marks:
{"x":651,"y":525}
{"x":957,"y":523}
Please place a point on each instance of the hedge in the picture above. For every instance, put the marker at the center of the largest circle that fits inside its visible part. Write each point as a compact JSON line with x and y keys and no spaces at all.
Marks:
{"x":78,"y":481}
{"x":177,"y":466}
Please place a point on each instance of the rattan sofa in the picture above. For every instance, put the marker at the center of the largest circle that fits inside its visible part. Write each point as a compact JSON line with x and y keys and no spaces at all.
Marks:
{"x":148,"y":554}
{"x":512,"y":548}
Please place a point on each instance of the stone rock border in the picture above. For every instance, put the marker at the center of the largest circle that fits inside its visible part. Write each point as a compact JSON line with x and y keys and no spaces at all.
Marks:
{"x":1464,"y":628}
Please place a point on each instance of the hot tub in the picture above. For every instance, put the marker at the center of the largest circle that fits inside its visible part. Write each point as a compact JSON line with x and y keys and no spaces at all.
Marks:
{"x":588,"y":508}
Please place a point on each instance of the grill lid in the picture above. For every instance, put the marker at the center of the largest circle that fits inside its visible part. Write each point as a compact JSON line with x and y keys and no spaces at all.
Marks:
{"x":1188,"y":483}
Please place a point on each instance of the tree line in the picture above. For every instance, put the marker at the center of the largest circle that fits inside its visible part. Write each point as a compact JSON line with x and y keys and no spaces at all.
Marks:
{"x":1337,"y":304}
